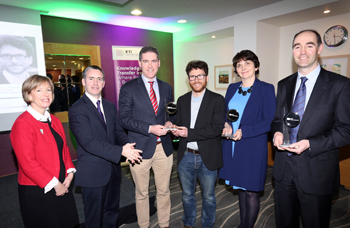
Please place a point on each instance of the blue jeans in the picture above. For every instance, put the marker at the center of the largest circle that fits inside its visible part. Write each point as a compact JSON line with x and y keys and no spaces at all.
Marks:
{"x":191,"y":167}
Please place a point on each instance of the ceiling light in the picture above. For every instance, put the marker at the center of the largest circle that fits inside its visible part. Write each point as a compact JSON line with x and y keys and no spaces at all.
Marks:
{"x":53,"y":65}
{"x":136,"y":12}
{"x":54,"y":68}
{"x":213,"y":37}
{"x":81,"y":58}
{"x":326,"y":11}
{"x":181,"y":21}
{"x":73,"y":61}
{"x":50,"y":58}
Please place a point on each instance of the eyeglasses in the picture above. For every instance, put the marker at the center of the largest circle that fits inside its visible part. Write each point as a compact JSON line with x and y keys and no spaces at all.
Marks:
{"x":200,"y":77}
{"x":9,"y":56}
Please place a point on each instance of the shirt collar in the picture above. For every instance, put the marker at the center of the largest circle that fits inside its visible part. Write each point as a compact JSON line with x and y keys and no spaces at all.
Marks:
{"x":38,"y":116}
{"x":93,"y":99}
{"x":146,"y":80}
{"x":312,"y":76}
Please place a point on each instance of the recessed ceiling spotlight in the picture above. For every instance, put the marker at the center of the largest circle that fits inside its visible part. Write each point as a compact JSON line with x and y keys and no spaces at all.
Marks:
{"x":53,"y":65}
{"x":72,"y":61}
{"x":81,"y":58}
{"x":136,"y":12}
{"x":181,"y":21}
{"x":213,"y":37}
{"x":326,"y":11}
{"x":50,"y":58}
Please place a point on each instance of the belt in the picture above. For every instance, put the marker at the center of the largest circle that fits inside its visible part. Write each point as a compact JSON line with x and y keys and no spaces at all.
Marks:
{"x":193,"y":151}
{"x":159,"y":142}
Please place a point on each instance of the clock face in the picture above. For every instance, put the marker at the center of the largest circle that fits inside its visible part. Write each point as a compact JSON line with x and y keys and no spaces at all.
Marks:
{"x":335,"y":36}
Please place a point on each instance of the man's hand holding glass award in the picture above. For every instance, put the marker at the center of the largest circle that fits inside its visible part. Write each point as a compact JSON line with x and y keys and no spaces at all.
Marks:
{"x":232,"y":116}
{"x":290,"y":120}
{"x":170,"y":109}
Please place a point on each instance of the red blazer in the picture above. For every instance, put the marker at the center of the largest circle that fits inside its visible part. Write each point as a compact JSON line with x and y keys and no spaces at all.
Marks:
{"x":36,"y":150}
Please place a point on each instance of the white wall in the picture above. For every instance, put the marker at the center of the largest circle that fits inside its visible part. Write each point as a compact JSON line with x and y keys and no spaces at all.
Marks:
{"x":286,"y":64}
{"x":268,"y":39}
{"x":216,"y":52}
{"x":248,"y":34}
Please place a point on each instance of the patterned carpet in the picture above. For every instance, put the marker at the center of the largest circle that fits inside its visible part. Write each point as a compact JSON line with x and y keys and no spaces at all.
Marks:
{"x":227,"y":212}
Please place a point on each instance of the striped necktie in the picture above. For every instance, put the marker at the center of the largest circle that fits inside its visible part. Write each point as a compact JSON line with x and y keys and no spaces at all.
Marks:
{"x":153,"y":98}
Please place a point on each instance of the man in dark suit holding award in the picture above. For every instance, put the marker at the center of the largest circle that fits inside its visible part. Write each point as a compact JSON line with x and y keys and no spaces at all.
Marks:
{"x":200,"y":118}
{"x":142,"y":112}
{"x":100,"y":139}
{"x":307,"y":172}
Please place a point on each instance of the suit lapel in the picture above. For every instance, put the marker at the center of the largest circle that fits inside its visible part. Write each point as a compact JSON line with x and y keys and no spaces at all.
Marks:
{"x":252,"y":100}
{"x":144,"y":97}
{"x":161,"y":102}
{"x":93,"y":110}
{"x":321,"y":86}
{"x":290,"y":90}
{"x":186,"y":108}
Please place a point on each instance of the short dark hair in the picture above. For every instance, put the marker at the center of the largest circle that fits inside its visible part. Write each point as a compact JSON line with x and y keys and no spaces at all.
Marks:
{"x":148,"y":49}
{"x":246,"y":55}
{"x":19,"y":42}
{"x":197,"y":64}
{"x":318,"y":36}
{"x":93,"y":67}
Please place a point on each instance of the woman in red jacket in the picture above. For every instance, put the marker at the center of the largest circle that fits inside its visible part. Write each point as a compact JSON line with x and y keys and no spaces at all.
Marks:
{"x":45,"y":166}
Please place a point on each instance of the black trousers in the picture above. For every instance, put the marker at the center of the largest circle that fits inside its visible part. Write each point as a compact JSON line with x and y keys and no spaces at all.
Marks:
{"x":101,"y":204}
{"x":291,"y":202}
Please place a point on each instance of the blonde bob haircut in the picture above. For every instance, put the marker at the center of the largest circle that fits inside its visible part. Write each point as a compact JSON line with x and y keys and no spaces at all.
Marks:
{"x":32,"y":83}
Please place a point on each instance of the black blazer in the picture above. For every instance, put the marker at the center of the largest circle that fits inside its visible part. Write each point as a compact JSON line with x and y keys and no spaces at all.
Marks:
{"x":99,"y":146}
{"x":136,"y":114}
{"x":207,"y":129}
{"x":326,"y":124}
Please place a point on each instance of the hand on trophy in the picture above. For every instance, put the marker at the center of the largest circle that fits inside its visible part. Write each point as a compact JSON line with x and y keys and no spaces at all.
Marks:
{"x":227,"y":131}
{"x":299,"y":147}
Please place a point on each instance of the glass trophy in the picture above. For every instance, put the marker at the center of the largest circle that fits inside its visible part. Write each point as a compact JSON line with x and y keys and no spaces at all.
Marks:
{"x":290,"y":120}
{"x":232,"y":116}
{"x":170,"y":109}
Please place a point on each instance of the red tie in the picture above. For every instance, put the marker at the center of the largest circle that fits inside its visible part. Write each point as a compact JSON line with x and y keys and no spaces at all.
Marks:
{"x":153,"y":97}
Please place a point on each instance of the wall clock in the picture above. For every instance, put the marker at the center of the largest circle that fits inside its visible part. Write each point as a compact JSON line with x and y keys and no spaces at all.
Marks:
{"x":335,"y":36}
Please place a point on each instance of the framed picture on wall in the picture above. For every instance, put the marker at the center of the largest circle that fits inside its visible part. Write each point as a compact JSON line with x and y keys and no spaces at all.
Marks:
{"x":223,"y":76}
{"x":339,"y":64}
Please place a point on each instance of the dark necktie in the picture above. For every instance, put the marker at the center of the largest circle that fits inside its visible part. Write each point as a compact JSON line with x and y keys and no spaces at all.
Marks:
{"x":99,"y":110}
{"x":298,"y":107}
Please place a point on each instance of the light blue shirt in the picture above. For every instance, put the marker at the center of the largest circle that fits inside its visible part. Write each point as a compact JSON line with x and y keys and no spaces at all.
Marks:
{"x":195,"y":105}
{"x":310,"y":83}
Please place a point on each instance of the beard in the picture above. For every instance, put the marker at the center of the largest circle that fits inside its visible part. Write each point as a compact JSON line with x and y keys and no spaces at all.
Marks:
{"x":199,"y":89}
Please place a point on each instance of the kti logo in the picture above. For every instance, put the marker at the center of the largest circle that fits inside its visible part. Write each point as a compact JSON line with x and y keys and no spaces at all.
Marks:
{"x":128,"y":51}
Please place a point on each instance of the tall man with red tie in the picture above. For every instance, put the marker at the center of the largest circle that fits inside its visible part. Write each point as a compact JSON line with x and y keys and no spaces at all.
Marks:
{"x":307,"y":172}
{"x":142,"y":112}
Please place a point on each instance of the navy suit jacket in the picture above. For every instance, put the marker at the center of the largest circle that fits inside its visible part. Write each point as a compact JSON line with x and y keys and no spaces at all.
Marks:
{"x":207,"y":129}
{"x":326,"y":124}
{"x":99,"y":146}
{"x":247,"y":168}
{"x":136,"y":114}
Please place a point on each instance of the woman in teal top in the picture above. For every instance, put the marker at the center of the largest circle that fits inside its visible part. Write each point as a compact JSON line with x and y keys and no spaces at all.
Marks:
{"x":245,"y":154}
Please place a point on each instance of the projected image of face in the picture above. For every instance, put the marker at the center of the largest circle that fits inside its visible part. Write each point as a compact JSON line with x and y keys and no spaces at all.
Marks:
{"x":14,"y":60}
{"x":16,"y":57}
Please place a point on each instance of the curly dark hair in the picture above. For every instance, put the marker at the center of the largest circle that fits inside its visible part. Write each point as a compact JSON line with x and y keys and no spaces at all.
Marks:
{"x":197,"y":64}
